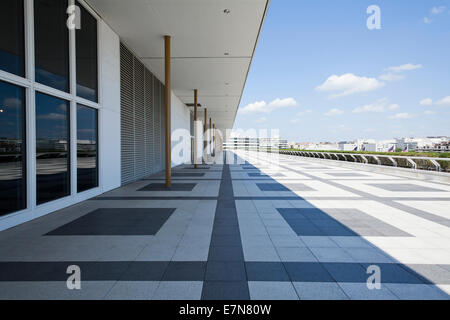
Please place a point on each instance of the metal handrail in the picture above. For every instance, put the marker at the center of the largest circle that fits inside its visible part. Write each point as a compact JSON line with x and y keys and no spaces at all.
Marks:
{"x":376,"y":157}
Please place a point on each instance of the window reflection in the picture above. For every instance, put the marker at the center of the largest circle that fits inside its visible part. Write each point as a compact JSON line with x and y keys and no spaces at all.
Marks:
{"x":12,"y":148}
{"x":86,"y":47}
{"x":12,"y":51}
{"x":87,"y":142}
{"x":52,"y":148}
{"x":51,"y":43}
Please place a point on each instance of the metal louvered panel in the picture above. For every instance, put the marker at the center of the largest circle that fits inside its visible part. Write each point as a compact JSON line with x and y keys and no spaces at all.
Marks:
{"x":139,"y":119}
{"x":149,"y":144}
{"x":126,"y":115}
{"x":157,"y":124}
{"x":163,"y":126}
{"x":142,"y":120}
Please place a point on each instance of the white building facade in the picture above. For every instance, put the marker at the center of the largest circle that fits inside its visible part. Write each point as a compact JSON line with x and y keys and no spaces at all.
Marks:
{"x":82,"y":93}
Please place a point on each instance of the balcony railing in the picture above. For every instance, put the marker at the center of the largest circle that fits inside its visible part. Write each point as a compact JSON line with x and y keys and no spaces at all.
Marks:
{"x":411,"y":162}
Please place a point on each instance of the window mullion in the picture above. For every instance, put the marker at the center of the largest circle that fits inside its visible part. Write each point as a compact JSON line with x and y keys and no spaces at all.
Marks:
{"x":73,"y":109}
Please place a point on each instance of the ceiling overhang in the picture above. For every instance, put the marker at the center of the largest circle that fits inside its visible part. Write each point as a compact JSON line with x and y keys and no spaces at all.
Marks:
{"x":212,"y":48}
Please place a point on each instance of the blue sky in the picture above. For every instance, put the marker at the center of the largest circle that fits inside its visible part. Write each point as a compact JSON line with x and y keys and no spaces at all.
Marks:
{"x":319,"y":74}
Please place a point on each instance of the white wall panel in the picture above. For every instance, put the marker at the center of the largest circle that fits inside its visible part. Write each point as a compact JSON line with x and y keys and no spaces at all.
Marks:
{"x":109,"y":117}
{"x":181,"y":141}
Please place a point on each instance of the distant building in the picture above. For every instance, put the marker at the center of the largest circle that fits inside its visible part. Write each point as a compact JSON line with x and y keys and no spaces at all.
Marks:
{"x":247,"y":143}
{"x":347,"y":146}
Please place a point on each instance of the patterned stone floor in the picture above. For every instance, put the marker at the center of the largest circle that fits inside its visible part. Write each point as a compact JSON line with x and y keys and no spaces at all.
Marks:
{"x":258,"y":227}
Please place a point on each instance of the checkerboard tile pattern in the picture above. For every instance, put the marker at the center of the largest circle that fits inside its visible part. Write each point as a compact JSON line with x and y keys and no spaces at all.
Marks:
{"x":268,"y":227}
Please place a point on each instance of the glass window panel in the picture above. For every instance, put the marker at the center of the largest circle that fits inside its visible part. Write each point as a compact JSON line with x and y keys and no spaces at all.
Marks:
{"x":12,"y":149}
{"x":87,"y":150}
{"x":52,"y":148}
{"x":12,"y":51}
{"x":51,"y":43}
{"x":86,"y":48}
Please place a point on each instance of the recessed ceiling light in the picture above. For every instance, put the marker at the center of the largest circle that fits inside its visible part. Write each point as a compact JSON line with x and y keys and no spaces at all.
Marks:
{"x":226,"y":11}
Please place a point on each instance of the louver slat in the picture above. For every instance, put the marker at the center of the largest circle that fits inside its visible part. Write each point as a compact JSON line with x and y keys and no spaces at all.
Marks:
{"x":142,"y":119}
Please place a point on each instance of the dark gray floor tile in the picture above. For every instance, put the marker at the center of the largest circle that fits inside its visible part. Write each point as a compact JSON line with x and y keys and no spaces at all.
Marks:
{"x":226,"y":221}
{"x":145,"y":271}
{"x":117,"y":221}
{"x":307,"y":272}
{"x":271,"y":187}
{"x":347,"y":272}
{"x":190,"y":174}
{"x":225,"y":253}
{"x":397,"y":273}
{"x":266,"y":271}
{"x":57,"y":271}
{"x":226,"y":230}
{"x":198,"y":168}
{"x":220,"y":290}
{"x":185,"y":271}
{"x":225,"y":240}
{"x":174,"y":187}
{"x":225,"y":271}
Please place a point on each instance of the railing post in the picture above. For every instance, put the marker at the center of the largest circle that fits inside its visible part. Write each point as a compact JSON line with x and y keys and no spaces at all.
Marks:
{"x":437,"y":165}
{"x":413,"y":163}
{"x":376,"y":159}
{"x":393,"y":161}
{"x":364,"y":159}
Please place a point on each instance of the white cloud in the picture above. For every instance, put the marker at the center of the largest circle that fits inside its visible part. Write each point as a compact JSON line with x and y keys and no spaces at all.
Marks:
{"x":426,"y":102}
{"x":395,"y":73}
{"x":263,"y":107}
{"x":12,"y":102}
{"x":403,"y":115}
{"x":437,"y":10}
{"x":405,"y":67}
{"x":52,"y":116}
{"x":391,"y":77}
{"x":255,"y":107}
{"x":334,"y":112}
{"x":282,"y":103}
{"x":348,"y":84}
{"x":429,"y":112}
{"x":378,"y":106}
{"x":261,"y":120}
{"x":393,"y":107}
{"x":434,"y":11}
{"x":302,"y":113}
{"x":299,"y":115}
{"x":444,"y":102}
